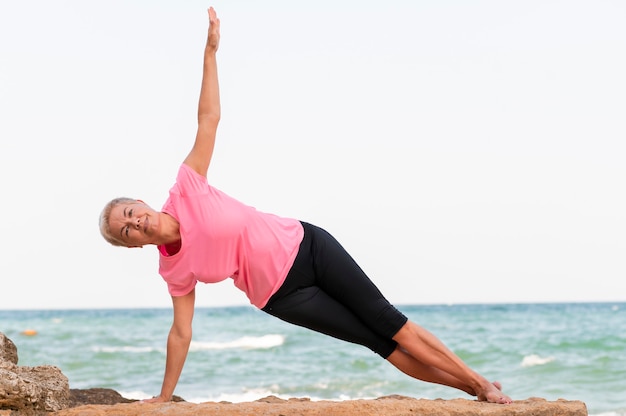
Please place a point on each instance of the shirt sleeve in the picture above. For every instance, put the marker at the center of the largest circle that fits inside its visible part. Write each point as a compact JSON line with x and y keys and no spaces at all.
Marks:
{"x":182,"y":285}
{"x":191,"y":182}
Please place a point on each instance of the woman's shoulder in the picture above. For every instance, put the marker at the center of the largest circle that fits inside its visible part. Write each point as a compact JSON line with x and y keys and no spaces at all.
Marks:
{"x":189,"y":182}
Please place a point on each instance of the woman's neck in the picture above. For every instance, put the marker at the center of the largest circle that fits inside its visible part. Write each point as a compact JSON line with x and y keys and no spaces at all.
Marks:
{"x":169,"y":230}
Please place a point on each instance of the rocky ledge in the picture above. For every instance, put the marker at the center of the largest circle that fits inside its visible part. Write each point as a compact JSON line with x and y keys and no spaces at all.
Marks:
{"x":44,"y":390}
{"x":388,"y":406}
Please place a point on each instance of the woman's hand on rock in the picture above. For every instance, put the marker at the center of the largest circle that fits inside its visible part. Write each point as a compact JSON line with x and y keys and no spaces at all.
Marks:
{"x":157,"y":399}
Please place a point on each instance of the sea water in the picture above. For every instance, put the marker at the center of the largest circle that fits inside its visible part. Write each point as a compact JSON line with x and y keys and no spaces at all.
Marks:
{"x":569,"y":351}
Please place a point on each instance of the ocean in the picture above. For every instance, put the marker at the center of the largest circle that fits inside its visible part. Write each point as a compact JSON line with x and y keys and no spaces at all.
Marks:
{"x":574,"y":351}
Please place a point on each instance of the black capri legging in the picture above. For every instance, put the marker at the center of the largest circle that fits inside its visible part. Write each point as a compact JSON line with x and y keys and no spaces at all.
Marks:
{"x":326,"y":291}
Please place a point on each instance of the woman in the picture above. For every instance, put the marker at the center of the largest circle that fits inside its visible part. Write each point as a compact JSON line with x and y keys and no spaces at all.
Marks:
{"x":287,"y":268}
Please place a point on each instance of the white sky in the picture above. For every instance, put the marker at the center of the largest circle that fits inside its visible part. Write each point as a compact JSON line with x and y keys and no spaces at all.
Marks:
{"x":462,"y":151}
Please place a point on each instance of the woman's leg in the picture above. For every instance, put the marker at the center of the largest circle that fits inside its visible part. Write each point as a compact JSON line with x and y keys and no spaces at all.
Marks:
{"x":352,"y":306}
{"x":312,"y":308}
{"x":427,"y":349}
{"x":339,"y":276}
{"x":406,"y":363}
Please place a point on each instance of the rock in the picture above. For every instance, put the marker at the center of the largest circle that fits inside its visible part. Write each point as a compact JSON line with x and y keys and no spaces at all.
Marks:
{"x":80,"y":397}
{"x":388,"y":406}
{"x":8,"y":350}
{"x":30,"y":390}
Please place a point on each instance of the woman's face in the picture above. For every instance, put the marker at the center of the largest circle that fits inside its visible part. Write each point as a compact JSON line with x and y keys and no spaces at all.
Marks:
{"x":135,"y":224}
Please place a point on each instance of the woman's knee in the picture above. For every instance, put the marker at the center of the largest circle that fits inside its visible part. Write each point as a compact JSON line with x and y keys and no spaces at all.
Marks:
{"x":405,"y":333}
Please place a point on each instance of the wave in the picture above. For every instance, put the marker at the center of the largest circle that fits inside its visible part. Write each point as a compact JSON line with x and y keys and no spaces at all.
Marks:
{"x":247,"y":395}
{"x":533,"y":360}
{"x":127,"y":348}
{"x":251,"y":395}
{"x":246,"y":343}
{"x":244,"y":396}
{"x":135,"y":395}
{"x":619,"y":413}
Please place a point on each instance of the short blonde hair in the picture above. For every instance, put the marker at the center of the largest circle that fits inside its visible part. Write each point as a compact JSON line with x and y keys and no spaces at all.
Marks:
{"x":105,"y":216}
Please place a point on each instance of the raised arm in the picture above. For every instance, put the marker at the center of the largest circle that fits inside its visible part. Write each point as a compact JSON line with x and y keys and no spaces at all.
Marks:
{"x":209,"y":106}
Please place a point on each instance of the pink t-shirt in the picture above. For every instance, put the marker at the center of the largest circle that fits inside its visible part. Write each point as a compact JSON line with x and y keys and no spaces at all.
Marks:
{"x":221,"y":238}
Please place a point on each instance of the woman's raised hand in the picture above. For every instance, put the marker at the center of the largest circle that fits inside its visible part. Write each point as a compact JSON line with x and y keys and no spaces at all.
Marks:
{"x":213,"y":41}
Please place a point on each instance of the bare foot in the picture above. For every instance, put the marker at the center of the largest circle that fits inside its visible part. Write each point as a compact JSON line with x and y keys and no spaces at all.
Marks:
{"x":493,"y":394}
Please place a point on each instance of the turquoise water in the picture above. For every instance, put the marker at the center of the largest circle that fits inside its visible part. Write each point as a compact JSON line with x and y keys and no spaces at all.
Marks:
{"x":570,"y":351}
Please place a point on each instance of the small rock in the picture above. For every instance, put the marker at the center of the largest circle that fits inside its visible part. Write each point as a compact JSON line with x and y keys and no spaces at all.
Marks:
{"x":30,"y":390}
{"x":8,"y":350}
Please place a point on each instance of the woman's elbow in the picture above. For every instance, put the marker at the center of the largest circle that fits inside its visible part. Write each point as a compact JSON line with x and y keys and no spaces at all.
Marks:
{"x":181,"y":334}
{"x":209,"y":118}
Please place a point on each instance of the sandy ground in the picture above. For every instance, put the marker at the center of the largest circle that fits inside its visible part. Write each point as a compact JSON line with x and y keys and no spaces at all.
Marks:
{"x":387,"y":406}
